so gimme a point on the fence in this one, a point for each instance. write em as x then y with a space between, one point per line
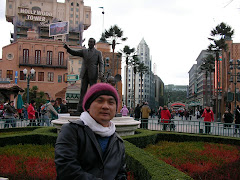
196 127
11 123
186 126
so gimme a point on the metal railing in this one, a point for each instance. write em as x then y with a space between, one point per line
196 127
12 123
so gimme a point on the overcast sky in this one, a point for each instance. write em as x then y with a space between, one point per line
175 30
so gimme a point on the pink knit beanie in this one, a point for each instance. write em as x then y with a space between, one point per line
97 90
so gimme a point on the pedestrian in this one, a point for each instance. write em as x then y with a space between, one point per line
124 111
92 67
63 106
237 120
46 110
31 113
208 118
165 117
159 113
145 110
131 112
137 112
89 148
197 113
57 109
10 114
228 118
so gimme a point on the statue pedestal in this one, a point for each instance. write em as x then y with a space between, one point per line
124 125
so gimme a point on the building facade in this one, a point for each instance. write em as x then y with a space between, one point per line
47 57
148 80
38 14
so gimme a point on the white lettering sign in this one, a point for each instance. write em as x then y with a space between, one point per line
35 18
35 12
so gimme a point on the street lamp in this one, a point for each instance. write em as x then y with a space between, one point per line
234 76
28 76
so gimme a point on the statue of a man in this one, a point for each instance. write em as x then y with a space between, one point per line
92 67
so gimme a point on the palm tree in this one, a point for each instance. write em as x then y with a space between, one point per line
113 35
129 52
219 34
135 62
142 69
208 67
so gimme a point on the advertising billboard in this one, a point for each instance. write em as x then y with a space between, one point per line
59 28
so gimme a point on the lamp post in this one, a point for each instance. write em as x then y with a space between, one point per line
234 76
28 76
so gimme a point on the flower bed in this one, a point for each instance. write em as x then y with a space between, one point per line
30 162
200 160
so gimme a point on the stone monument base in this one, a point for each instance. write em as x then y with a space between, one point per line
124 125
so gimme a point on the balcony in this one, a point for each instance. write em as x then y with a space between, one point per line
44 62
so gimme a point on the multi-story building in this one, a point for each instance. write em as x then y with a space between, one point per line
148 86
159 92
198 87
47 57
172 87
38 14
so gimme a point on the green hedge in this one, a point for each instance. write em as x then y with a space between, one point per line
143 164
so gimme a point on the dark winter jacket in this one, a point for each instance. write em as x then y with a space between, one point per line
237 113
78 155
137 112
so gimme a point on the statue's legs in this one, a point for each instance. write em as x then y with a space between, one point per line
84 85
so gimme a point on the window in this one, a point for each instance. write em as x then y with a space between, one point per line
50 76
71 3
76 22
10 6
86 15
76 16
33 78
10 74
22 76
40 76
60 58
59 78
49 57
77 4
25 55
71 9
77 10
79 69
71 21
0 73
71 15
79 62
37 56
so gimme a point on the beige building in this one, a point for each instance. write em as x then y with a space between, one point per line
38 14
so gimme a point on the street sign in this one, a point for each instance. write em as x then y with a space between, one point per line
72 77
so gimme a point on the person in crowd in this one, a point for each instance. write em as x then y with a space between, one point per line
237 119
124 111
89 148
57 109
228 118
46 110
186 114
159 113
31 113
131 112
1 109
208 118
145 110
197 113
137 112
165 117
63 106
10 114
25 114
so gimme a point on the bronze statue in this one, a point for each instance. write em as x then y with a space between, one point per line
92 67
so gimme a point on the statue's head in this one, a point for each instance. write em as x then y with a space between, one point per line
91 43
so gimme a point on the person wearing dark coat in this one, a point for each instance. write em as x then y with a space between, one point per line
137 112
63 106
90 148
228 118
237 120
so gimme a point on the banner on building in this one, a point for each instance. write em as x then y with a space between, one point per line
59 28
